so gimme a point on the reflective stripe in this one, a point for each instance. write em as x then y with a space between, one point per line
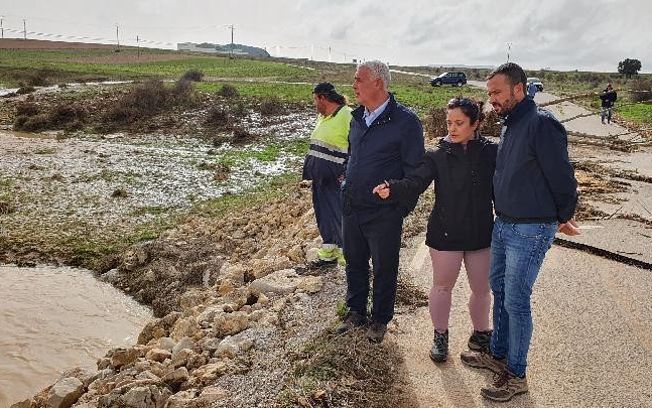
328 146
325 156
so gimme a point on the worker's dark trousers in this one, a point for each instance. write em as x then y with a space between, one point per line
327 203
380 241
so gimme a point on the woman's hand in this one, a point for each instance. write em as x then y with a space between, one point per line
382 190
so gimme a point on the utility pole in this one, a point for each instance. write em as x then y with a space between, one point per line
117 36
1 27
330 54
24 30
509 48
137 47
231 27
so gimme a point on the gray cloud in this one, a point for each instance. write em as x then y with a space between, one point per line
561 34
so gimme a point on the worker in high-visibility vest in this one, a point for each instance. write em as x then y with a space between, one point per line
324 166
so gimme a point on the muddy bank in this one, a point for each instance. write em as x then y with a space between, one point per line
241 321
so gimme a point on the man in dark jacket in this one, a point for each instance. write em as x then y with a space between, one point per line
535 195
385 142
608 99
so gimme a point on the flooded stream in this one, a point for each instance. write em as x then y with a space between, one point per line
53 319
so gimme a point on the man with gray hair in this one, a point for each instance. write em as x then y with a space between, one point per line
385 142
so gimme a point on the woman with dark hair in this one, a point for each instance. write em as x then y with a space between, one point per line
461 221
324 166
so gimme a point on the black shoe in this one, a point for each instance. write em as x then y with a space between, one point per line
480 340
351 320
376 332
322 263
439 350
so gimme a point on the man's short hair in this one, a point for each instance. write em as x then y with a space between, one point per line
513 72
378 70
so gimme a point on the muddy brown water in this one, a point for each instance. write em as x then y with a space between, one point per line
53 319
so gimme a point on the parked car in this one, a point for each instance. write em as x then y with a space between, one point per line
536 82
449 78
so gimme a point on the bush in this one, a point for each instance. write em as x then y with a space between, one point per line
641 90
27 109
193 75
435 123
32 123
218 117
142 101
228 91
66 114
183 92
272 105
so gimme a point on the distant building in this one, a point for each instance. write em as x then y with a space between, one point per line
238 49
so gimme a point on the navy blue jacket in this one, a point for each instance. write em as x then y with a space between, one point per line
388 149
534 180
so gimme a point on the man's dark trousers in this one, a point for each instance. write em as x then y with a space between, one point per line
378 239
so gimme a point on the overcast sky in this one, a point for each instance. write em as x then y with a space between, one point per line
559 34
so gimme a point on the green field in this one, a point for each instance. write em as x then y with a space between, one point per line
71 65
639 113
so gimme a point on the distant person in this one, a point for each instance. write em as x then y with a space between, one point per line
324 166
460 223
608 100
385 142
535 195
531 90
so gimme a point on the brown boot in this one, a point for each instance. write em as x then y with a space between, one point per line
480 359
351 320
504 387
376 332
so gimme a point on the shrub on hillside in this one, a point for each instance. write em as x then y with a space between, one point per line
272 105
228 91
641 90
148 99
193 75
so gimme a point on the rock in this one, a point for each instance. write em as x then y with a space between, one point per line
225 287
295 254
281 282
213 394
176 377
181 399
147 375
231 346
123 357
230 323
210 344
84 375
145 397
184 343
157 354
208 373
133 258
64 393
171 318
185 327
103 363
22 404
111 276
311 284
263 299
208 315
142 365
181 357
165 343
154 329
312 254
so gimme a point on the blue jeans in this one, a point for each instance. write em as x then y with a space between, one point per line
517 252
